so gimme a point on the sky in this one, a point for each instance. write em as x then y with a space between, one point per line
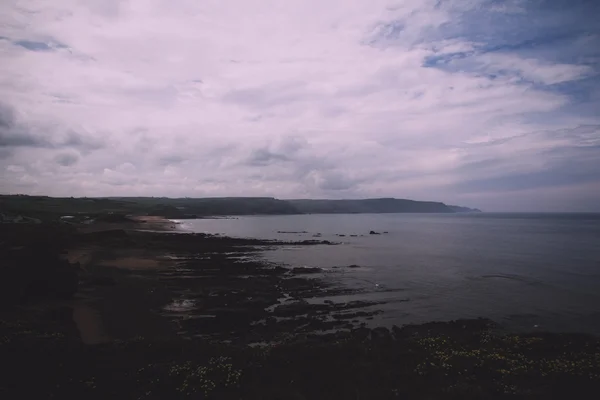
483 103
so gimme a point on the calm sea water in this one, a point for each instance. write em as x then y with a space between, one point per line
524 271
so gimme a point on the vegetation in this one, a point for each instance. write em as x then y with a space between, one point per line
456 360
51 208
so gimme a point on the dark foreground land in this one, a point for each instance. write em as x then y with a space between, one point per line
108 311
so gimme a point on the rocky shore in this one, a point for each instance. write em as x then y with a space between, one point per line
121 310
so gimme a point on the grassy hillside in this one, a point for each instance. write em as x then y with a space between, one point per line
52 208
369 206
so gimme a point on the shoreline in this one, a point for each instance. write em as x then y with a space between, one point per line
149 303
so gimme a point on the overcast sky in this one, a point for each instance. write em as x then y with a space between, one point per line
484 103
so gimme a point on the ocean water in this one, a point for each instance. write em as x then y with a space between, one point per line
526 272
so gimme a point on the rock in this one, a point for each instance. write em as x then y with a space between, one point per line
102 281
113 218
298 307
381 334
397 331
374 233
306 270
353 266
361 333
340 235
312 242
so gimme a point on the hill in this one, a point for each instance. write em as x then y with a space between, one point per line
386 205
53 208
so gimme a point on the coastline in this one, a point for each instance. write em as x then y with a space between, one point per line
142 222
144 293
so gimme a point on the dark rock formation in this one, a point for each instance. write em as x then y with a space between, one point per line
306 270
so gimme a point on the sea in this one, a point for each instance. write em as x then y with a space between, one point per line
525 271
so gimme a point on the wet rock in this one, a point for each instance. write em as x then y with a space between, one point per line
381 334
359 314
397 331
306 270
374 233
462 331
347 266
361 333
101 281
312 242
301 307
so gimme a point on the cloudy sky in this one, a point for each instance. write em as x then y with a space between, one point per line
486 103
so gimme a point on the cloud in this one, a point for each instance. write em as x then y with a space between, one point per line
449 101
262 157
12 135
173 159
15 134
38 46
66 159
332 180
553 158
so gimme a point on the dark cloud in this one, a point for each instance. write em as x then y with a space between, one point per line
21 139
7 117
14 134
563 175
336 183
575 161
263 157
171 160
66 159
5 153
479 165
77 140
281 149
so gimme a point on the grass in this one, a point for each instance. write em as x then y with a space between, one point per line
430 364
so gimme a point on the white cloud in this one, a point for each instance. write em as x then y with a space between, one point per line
532 69
290 99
